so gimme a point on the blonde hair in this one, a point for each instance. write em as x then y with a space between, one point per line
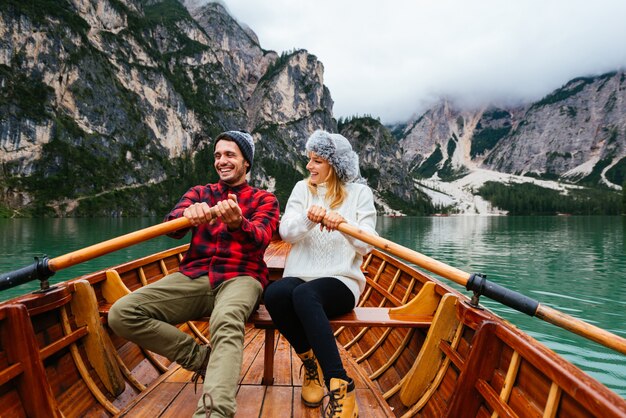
336 190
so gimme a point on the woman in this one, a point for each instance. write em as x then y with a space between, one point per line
322 276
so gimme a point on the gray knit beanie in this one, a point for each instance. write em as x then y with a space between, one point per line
243 140
336 149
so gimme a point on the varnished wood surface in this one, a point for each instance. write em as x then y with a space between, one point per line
360 317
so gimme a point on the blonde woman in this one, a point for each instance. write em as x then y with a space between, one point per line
322 276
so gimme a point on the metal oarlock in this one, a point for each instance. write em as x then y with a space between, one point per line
477 288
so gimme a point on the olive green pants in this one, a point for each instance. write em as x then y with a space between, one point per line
148 317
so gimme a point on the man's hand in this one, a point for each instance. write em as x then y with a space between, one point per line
229 212
200 213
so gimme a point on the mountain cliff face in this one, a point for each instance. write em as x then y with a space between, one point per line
109 107
575 134
379 154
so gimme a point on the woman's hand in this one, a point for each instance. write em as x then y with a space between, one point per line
327 219
316 214
332 220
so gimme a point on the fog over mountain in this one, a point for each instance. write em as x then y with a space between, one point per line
396 59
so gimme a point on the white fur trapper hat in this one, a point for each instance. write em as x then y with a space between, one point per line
336 149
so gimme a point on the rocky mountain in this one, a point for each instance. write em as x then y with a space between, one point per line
109 107
577 133
575 136
379 157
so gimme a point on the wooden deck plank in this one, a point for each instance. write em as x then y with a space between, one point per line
296 363
249 400
276 402
283 362
252 366
180 375
157 401
299 409
145 372
184 404
369 406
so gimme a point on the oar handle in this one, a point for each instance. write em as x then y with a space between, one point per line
498 293
479 284
117 243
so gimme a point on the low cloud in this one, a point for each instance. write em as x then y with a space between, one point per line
393 59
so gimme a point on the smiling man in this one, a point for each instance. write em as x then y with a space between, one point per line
222 276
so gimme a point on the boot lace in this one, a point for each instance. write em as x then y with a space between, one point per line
334 407
196 378
310 370
207 410
201 372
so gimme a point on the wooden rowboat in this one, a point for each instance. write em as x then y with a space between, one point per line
415 347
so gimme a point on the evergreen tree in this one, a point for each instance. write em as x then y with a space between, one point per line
530 199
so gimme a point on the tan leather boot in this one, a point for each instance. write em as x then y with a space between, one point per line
342 403
312 384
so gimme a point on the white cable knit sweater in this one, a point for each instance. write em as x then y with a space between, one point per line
316 253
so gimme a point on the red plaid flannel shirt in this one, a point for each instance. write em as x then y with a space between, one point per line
224 254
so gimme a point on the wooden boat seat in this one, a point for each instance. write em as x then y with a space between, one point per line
112 289
418 313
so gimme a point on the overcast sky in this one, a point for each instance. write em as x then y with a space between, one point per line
391 59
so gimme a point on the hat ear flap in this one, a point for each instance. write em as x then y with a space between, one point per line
354 171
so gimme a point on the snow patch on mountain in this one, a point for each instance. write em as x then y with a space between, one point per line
462 195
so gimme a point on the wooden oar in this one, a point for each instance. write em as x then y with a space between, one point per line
479 284
117 243
44 268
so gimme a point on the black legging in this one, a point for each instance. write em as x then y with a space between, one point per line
301 310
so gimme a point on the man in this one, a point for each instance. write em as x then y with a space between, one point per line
222 276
